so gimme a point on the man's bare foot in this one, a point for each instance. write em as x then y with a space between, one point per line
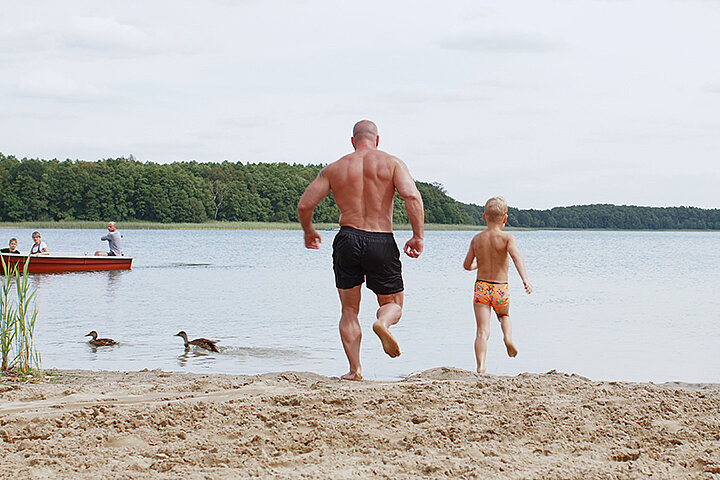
481 369
352 376
512 351
389 343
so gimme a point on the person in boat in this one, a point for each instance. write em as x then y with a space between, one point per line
363 184
39 247
114 242
12 248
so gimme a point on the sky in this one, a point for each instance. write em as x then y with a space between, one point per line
547 103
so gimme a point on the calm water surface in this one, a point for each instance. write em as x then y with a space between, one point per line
638 306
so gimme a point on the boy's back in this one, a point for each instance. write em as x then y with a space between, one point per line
491 254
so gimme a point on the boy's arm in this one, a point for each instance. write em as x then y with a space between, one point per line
470 262
519 262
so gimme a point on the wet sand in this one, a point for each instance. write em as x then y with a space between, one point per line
442 423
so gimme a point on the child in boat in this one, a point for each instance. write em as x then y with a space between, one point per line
39 247
488 254
12 247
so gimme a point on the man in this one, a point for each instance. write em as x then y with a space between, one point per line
363 184
114 243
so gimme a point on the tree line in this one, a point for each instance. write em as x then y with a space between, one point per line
124 189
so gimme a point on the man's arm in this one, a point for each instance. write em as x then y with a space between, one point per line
408 191
314 194
519 262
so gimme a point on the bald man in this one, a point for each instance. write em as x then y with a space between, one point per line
363 184
114 242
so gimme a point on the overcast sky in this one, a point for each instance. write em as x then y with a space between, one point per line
547 103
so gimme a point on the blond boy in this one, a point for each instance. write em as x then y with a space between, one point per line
488 254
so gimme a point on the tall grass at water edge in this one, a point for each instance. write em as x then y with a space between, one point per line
17 320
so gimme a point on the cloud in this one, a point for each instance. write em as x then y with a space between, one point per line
422 94
102 35
713 87
502 43
48 85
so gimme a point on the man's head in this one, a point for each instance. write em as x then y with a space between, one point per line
496 209
111 226
365 131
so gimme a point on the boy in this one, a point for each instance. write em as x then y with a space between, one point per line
488 254
13 247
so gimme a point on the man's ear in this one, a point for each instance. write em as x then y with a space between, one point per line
505 219
352 140
377 141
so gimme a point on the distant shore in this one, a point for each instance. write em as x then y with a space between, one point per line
142 225
442 423
139 225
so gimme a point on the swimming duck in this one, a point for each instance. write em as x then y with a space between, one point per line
198 342
100 342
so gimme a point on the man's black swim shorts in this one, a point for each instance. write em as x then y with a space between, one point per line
358 254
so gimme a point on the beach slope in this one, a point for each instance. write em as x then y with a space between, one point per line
441 423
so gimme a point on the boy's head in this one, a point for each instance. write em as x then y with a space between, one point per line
495 210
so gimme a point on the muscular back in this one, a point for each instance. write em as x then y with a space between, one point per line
363 185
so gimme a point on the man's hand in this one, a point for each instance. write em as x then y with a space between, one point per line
414 247
528 287
313 239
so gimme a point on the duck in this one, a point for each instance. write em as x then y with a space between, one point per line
100 342
198 342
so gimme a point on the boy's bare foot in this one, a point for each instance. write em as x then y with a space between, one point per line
512 351
352 376
389 343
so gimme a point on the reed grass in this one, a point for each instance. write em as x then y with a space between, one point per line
17 320
7 313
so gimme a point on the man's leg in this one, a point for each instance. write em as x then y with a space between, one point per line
388 315
482 318
350 331
506 326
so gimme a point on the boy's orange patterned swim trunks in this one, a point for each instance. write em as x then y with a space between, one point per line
497 295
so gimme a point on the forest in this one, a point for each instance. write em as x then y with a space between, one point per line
124 189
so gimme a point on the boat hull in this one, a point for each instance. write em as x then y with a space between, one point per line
58 263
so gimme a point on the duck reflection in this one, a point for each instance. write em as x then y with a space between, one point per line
194 356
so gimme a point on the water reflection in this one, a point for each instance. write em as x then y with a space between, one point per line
114 278
104 348
193 356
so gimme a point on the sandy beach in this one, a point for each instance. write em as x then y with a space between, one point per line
441 423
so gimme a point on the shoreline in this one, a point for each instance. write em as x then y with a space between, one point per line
440 423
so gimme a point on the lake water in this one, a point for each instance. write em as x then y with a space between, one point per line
636 306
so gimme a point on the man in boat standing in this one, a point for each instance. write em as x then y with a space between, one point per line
363 184
114 242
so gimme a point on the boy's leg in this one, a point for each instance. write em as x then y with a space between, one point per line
388 315
506 326
350 331
482 318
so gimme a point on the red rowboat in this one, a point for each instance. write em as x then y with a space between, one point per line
67 263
